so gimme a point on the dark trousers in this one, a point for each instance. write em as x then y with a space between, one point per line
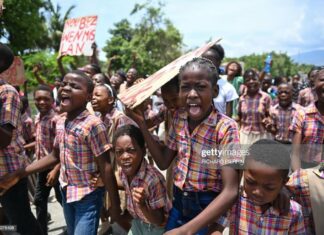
41 198
186 206
16 206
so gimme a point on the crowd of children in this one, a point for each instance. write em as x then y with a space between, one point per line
240 152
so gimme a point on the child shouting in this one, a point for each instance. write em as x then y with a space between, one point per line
145 188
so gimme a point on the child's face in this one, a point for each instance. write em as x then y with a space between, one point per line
196 93
101 100
319 85
88 70
116 81
74 93
98 79
129 155
311 77
262 183
171 99
252 83
131 76
43 101
284 95
266 83
232 69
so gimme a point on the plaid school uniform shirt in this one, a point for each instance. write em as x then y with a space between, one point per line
45 133
197 168
13 156
28 127
153 182
310 124
252 110
282 119
298 185
247 218
80 141
116 119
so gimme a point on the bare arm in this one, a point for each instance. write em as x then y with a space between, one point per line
9 180
223 202
295 154
36 70
109 180
161 154
30 145
94 59
60 65
229 108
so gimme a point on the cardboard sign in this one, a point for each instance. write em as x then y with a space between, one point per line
78 36
137 93
15 74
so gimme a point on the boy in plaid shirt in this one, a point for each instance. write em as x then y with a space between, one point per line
15 201
81 145
308 129
45 123
265 173
280 115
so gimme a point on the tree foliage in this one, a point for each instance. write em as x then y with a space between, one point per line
56 23
282 64
24 26
48 63
149 45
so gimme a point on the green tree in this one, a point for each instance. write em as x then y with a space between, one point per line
23 25
282 64
56 23
48 63
149 45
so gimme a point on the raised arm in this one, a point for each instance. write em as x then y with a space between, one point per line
161 154
35 71
60 65
94 58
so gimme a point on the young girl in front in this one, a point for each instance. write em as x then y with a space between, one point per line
147 200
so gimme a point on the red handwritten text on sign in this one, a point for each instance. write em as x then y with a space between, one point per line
78 36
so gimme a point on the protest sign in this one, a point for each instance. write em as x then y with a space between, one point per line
78 36
137 93
15 74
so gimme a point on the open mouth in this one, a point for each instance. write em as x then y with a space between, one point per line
65 99
126 166
194 109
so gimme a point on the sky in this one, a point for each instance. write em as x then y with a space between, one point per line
245 26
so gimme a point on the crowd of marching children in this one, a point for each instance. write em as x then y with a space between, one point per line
156 169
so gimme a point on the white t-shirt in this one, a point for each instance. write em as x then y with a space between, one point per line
227 93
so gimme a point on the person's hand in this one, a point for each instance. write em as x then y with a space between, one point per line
93 46
267 122
282 202
60 57
114 57
139 196
96 181
52 178
8 180
36 68
136 115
